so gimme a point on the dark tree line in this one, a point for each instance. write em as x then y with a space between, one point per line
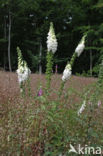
25 23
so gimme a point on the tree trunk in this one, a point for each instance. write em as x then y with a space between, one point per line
40 55
5 35
9 41
91 62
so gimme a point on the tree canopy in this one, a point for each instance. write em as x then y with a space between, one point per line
30 22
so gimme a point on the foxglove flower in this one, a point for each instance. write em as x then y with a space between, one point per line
23 71
67 73
23 76
79 49
51 40
82 107
40 92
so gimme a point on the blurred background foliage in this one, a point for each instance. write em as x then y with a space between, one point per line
30 24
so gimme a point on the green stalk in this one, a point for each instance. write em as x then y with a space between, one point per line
23 89
29 88
49 66
73 59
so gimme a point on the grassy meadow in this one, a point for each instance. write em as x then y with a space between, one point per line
46 125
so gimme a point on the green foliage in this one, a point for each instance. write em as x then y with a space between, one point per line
34 61
96 70
30 26
99 4
100 81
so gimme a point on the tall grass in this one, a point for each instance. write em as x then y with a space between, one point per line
46 125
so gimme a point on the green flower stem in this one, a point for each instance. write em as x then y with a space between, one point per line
29 88
73 59
49 68
61 88
23 89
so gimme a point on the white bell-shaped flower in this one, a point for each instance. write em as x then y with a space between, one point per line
79 49
82 107
23 71
24 75
51 40
67 73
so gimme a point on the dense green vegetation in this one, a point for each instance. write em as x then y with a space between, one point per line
26 22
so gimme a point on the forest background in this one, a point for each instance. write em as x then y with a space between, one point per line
25 23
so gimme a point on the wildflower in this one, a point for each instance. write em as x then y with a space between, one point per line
82 107
51 40
79 49
51 49
23 71
23 74
99 103
40 92
67 73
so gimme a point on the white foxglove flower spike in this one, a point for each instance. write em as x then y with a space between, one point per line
23 71
67 73
79 49
82 107
51 40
